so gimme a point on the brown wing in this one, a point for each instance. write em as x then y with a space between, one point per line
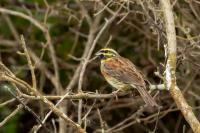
123 70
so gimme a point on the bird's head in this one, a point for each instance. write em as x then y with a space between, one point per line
106 53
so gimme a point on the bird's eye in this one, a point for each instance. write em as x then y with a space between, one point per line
105 51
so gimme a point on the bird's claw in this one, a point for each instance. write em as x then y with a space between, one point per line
115 94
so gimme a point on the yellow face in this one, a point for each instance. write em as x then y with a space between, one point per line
106 53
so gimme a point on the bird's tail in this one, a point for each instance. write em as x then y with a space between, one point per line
146 96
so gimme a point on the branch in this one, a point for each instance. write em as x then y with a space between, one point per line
78 96
8 76
30 64
19 107
22 15
45 30
171 69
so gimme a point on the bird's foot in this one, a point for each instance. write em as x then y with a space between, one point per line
115 94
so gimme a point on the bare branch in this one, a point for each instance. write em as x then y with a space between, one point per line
29 63
32 20
171 68
4 76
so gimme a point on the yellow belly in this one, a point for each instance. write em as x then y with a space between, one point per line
117 84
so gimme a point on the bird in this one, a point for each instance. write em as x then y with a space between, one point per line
122 74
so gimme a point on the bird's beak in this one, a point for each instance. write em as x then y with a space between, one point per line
97 53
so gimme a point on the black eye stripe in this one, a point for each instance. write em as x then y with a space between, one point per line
104 51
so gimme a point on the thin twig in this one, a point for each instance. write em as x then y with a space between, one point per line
19 107
32 20
34 82
28 109
7 102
